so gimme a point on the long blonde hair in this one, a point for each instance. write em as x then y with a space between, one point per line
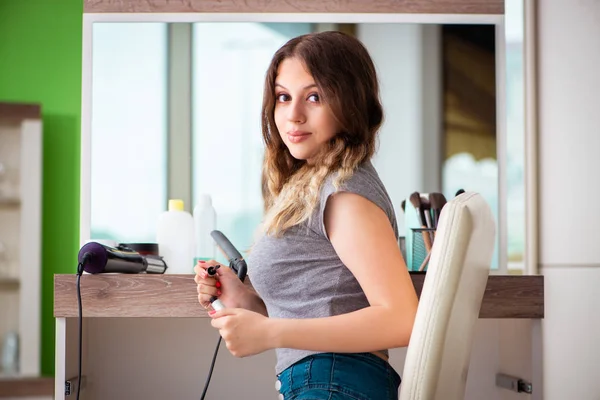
345 76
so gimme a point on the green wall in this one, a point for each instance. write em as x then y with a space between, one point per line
40 61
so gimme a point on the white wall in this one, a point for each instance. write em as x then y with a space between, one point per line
569 142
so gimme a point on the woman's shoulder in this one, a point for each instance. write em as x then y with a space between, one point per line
363 178
364 181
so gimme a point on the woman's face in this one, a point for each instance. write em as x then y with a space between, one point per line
304 123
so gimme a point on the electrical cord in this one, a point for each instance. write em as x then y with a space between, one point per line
80 267
80 327
211 271
212 366
238 265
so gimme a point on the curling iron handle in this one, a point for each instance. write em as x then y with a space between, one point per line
217 305
214 301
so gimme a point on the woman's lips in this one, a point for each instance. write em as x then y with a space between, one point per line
297 136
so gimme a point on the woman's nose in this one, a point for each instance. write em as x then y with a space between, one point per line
296 112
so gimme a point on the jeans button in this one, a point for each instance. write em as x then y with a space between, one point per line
277 385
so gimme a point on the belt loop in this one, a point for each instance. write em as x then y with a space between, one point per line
308 370
331 374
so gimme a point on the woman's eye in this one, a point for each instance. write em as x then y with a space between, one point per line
313 98
281 97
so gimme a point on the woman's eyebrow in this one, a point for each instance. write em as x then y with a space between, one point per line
312 85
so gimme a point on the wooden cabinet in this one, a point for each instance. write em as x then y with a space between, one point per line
20 233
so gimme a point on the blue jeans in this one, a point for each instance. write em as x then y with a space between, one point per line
334 376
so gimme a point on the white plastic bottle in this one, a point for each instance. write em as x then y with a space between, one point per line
175 238
205 221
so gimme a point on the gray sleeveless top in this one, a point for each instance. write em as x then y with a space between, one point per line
299 274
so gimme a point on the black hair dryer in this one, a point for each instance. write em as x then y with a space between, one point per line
96 258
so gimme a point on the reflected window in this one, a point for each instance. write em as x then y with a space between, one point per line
515 134
469 114
229 65
128 130
470 133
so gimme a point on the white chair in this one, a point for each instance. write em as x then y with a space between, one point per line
437 359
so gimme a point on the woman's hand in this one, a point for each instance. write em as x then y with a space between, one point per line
245 332
225 285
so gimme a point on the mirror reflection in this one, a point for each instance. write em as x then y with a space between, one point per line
176 113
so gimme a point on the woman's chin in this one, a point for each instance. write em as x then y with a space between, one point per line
299 155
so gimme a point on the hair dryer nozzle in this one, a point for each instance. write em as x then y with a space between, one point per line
96 257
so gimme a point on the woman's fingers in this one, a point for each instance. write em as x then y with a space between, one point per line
208 290
207 286
204 265
204 300
205 280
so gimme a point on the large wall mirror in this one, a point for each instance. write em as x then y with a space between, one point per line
172 105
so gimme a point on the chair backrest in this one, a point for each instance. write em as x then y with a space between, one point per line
437 359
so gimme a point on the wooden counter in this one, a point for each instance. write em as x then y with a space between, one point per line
121 295
146 337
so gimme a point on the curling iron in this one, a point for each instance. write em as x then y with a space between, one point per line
236 263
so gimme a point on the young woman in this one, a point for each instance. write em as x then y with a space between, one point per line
329 288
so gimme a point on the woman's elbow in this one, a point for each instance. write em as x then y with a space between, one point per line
405 324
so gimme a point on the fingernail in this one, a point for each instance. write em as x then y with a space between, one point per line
211 312
218 292
218 284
